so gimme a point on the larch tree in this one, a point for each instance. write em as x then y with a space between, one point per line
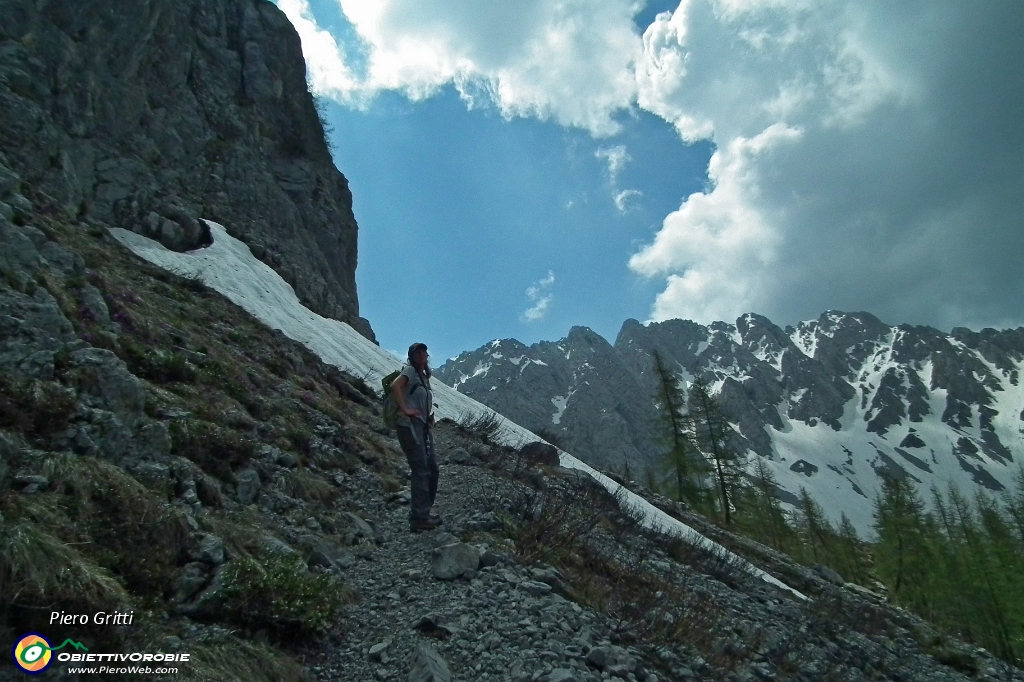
682 460
710 430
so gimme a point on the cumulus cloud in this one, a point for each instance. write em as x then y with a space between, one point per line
328 73
569 61
716 250
539 294
862 160
867 153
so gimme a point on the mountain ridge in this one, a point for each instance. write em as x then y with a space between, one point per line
842 399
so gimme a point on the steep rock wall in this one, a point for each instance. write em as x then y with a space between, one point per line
150 114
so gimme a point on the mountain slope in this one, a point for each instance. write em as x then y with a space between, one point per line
832 404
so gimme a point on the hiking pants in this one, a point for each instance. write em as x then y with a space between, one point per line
419 451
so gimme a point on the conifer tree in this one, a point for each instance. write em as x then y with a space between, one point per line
985 572
710 428
767 518
1014 501
977 583
902 552
682 460
853 557
816 527
954 602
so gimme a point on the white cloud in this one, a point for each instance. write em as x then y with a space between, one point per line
851 161
569 61
325 62
616 157
624 199
716 248
540 296
860 144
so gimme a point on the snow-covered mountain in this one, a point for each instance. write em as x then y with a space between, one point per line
832 404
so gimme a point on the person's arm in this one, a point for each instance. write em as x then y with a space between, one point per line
396 392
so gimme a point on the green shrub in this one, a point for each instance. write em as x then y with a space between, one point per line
279 594
36 408
486 426
155 364
218 451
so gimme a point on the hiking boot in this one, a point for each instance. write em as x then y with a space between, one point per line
434 516
420 525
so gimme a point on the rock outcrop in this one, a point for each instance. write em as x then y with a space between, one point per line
152 115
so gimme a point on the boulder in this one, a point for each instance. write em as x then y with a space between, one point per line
456 561
540 453
190 580
211 550
104 382
428 666
247 486
330 556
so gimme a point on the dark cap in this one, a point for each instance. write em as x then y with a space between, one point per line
415 347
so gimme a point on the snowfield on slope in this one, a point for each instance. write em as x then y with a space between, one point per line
228 267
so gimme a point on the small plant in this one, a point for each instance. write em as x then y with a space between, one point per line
484 425
217 451
36 566
154 364
281 595
301 438
36 408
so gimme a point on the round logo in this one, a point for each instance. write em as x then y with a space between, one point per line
32 653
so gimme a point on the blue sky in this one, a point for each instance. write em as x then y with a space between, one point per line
519 169
461 213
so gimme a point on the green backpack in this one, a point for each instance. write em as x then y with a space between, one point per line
390 406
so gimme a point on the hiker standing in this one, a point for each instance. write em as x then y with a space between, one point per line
411 392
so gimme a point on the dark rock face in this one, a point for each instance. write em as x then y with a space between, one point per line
881 400
153 114
579 388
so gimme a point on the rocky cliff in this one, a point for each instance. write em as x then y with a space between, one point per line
832 404
152 114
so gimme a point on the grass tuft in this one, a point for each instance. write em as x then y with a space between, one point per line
34 407
218 451
310 487
36 566
241 661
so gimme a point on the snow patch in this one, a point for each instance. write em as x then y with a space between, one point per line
559 401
